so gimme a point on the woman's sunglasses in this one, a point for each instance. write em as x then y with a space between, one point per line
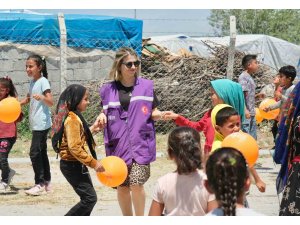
129 64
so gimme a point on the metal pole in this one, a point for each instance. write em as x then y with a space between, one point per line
63 51
231 48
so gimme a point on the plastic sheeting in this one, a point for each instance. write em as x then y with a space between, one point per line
84 31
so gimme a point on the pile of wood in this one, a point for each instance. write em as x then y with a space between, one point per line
182 83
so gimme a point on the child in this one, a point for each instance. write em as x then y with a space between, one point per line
70 133
40 99
250 65
182 193
226 121
228 179
8 135
287 75
222 91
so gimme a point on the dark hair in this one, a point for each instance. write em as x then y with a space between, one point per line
184 147
224 114
7 83
40 61
247 59
227 173
288 71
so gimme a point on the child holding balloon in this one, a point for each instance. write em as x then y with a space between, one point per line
182 192
226 121
228 179
40 99
8 135
70 132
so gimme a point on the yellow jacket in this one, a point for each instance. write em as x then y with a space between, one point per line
73 142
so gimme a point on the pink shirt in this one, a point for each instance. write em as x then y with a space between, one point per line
8 130
183 195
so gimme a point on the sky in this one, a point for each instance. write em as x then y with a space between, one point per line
191 22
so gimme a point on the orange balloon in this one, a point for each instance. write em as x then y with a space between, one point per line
271 114
245 143
10 109
258 116
115 171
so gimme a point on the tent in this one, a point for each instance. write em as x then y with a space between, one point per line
83 31
271 51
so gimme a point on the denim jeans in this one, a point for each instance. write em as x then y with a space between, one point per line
6 145
249 126
79 178
39 157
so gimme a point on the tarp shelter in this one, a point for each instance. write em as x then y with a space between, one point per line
175 43
271 51
83 31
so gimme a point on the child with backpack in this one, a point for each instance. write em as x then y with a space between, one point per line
182 192
70 132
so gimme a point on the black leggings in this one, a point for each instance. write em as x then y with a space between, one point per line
79 178
6 145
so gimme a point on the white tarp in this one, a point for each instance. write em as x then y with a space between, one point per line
271 51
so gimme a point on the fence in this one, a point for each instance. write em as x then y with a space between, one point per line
181 77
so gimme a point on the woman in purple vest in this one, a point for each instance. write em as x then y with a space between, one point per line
129 110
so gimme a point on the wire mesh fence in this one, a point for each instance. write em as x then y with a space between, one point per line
181 78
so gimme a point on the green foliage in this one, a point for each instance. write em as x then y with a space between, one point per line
23 127
283 23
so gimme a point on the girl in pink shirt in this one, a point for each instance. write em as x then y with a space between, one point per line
182 192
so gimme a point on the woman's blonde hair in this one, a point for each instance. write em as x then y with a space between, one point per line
115 72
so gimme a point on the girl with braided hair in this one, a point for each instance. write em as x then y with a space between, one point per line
228 178
182 192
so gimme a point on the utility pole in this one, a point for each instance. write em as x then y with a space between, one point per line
231 48
134 13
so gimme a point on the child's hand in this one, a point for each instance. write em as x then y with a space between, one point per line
261 186
101 121
247 114
170 115
277 94
99 167
267 109
38 97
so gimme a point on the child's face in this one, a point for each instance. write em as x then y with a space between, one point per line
253 66
84 102
232 125
215 98
284 81
3 92
32 69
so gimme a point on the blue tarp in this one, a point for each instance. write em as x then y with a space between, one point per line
84 31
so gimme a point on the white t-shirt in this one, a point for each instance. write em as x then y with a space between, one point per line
39 113
238 212
183 195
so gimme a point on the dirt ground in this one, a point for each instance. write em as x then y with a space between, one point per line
17 203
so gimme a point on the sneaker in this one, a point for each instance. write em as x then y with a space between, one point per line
35 190
48 186
4 187
10 175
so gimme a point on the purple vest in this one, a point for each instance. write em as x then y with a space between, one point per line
130 135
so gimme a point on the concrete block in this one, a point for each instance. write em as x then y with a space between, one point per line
83 74
6 65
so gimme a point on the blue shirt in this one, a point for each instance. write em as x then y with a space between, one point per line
248 85
39 112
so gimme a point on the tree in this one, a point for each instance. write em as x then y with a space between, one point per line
283 23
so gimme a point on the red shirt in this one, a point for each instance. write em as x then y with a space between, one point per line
204 125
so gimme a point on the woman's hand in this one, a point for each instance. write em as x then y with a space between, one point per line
170 115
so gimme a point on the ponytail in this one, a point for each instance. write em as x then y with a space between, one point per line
40 61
